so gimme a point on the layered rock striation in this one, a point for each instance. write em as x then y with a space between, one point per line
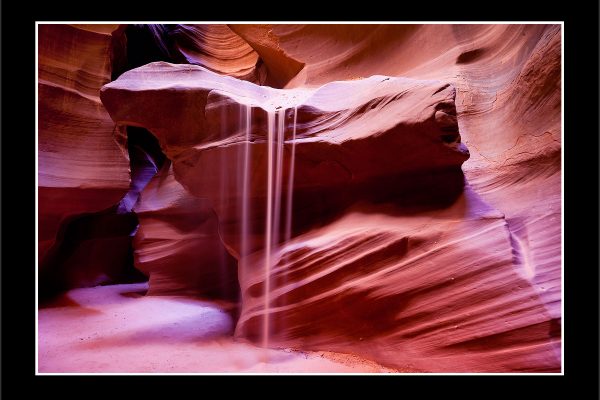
346 207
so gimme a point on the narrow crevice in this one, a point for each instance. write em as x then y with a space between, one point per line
90 249
97 248
146 43
140 44
145 158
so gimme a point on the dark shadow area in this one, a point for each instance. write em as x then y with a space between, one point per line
470 56
90 250
410 193
96 248
134 294
146 43
141 44
145 159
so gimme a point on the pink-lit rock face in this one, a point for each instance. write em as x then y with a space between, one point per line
219 49
397 243
436 291
177 243
508 106
282 68
375 139
373 263
82 169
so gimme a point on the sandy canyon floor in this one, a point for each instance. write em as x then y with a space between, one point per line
116 329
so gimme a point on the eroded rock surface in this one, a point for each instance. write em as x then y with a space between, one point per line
377 139
82 168
392 252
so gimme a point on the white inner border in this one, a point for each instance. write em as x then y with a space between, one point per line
562 183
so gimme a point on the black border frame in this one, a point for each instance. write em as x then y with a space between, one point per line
580 163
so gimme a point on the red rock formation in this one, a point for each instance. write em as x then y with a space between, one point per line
376 139
438 291
470 283
82 169
508 105
216 47
84 172
281 67
177 243
219 49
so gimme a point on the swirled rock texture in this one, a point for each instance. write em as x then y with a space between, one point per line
219 49
403 246
82 168
177 243
375 139
216 47
508 102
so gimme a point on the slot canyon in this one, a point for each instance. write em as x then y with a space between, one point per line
299 198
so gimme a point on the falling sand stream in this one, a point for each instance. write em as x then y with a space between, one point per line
274 218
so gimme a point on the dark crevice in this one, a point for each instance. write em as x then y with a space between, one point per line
145 159
97 248
146 43
141 44
90 249
470 56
